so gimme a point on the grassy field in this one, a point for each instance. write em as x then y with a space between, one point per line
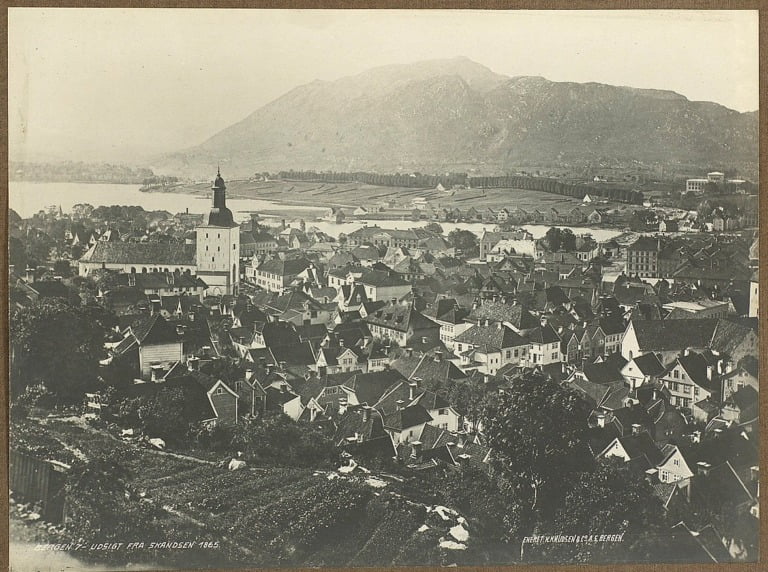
352 195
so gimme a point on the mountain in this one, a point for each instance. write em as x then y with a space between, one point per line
456 115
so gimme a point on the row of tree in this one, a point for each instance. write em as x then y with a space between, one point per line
410 180
547 185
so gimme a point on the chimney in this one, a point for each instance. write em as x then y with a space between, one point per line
262 361
408 351
366 413
393 301
399 403
702 468
438 356
270 368
687 352
156 372
584 362
30 275
412 390
416 448
282 366
600 415
543 321
636 428
248 373
499 325
193 363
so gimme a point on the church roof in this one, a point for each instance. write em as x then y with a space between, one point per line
154 253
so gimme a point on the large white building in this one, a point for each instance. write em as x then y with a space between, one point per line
215 257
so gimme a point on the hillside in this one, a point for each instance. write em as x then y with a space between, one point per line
458 115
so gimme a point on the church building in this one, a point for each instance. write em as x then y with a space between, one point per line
214 258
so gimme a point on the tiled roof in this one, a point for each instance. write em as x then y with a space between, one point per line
401 318
516 315
661 335
369 387
490 338
407 417
382 279
153 253
649 364
288 267
543 335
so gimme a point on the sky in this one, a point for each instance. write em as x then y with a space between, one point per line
123 85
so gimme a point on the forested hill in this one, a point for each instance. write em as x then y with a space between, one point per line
454 115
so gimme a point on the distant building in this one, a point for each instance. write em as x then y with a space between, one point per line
695 185
643 257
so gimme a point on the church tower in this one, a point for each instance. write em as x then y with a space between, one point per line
218 245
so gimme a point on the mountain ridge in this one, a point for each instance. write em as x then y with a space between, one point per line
456 114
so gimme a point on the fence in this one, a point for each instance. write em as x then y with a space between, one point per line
36 481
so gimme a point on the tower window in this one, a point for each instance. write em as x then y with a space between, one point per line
213 258
206 235
218 249
218 235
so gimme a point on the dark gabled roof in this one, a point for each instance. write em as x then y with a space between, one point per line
543 335
407 417
155 330
158 280
645 243
380 279
426 368
603 372
153 253
744 398
516 315
728 335
670 335
354 422
49 288
369 387
641 445
491 338
401 318
288 267
649 364
293 300
633 415
294 354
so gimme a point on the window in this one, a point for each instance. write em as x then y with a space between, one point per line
442 412
554 355
676 374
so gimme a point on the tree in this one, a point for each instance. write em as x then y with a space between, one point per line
167 413
58 345
62 268
610 500
17 254
277 440
536 431
560 239
434 227
463 240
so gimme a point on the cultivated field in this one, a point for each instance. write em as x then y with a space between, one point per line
352 195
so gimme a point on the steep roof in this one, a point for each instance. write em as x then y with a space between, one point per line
490 338
369 387
381 279
288 267
649 364
154 253
516 315
661 335
400 317
407 417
